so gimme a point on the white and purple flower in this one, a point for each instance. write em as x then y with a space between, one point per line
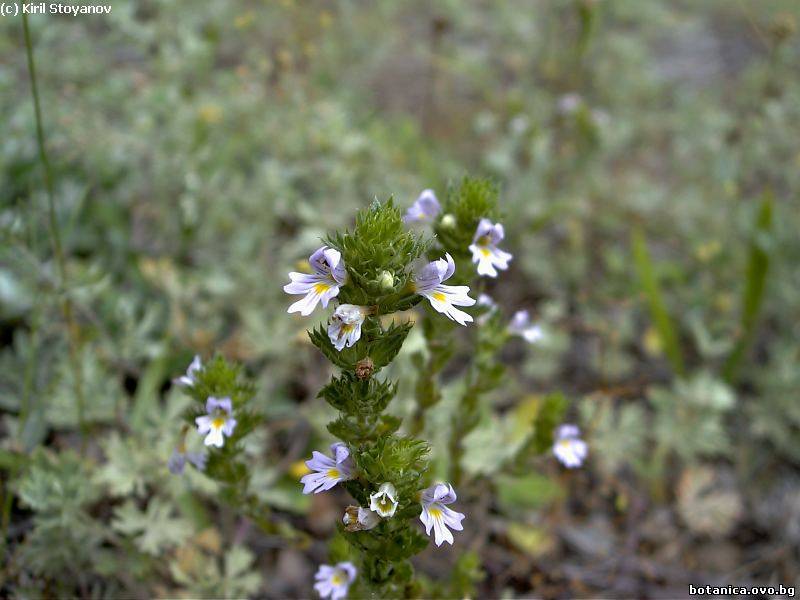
217 422
443 298
384 501
344 327
424 210
485 251
333 582
435 514
320 286
568 448
521 325
327 471
189 379
179 456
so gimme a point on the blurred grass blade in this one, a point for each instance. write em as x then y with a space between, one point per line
648 282
754 285
587 14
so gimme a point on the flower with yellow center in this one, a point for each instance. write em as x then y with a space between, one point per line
443 298
485 251
333 582
320 286
344 328
568 448
435 515
218 422
424 209
327 471
384 501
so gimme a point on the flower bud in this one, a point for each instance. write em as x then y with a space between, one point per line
386 281
357 518
448 221
365 368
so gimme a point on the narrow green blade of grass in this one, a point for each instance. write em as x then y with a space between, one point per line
648 282
754 285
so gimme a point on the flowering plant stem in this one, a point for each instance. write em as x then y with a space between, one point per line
73 331
372 271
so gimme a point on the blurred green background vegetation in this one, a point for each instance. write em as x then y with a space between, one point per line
648 158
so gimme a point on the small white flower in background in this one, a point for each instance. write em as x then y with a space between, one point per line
487 301
384 501
358 518
344 328
333 582
600 117
437 516
189 380
321 285
569 103
327 471
521 325
568 447
443 298
179 456
485 251
424 209
217 422
519 124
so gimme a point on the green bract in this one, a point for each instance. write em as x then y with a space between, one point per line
378 254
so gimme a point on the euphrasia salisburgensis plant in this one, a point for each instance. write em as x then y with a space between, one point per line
363 277
369 274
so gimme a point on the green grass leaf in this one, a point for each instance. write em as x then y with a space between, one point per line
648 282
754 286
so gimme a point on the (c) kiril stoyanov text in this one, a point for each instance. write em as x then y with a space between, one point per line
57 8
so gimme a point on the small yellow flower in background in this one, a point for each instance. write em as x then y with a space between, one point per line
210 113
652 342
325 19
245 20
723 302
299 468
284 58
707 251
209 539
